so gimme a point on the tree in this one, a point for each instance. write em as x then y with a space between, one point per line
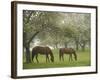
26 40
37 23
78 28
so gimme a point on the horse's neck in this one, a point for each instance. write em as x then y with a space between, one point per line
51 55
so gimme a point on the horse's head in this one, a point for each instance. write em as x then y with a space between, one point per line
49 51
75 56
52 59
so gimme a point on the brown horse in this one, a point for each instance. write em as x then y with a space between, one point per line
68 51
43 51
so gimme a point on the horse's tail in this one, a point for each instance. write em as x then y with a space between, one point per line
75 55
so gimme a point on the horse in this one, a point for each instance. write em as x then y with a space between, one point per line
69 51
43 51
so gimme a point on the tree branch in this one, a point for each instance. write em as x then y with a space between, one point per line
33 37
29 17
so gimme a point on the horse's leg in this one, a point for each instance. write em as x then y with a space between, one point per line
32 58
75 56
37 58
70 57
47 58
62 57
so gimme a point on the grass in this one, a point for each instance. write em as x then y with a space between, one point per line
83 60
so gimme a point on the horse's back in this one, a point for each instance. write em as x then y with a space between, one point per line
66 50
41 50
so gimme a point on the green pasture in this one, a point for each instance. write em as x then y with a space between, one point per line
83 60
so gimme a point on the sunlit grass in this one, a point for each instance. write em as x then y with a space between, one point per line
83 60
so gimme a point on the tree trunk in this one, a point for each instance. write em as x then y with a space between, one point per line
28 59
83 48
77 45
89 43
56 45
27 44
66 45
27 47
82 45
